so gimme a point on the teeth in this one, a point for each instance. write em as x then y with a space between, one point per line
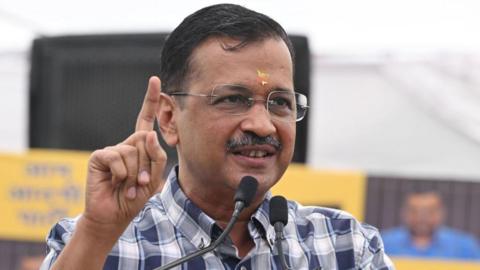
261 153
257 154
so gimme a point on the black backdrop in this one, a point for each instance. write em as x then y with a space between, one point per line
85 91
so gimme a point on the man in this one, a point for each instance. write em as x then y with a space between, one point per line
423 234
228 106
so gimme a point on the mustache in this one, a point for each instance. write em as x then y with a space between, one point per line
249 138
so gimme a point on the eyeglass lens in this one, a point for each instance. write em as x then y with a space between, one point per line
284 105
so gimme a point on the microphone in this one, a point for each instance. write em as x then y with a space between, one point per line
243 197
278 219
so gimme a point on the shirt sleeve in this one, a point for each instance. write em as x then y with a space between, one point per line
470 249
59 235
372 255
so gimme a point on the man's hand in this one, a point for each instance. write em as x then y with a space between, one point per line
120 180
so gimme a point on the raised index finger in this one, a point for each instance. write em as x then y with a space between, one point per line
146 117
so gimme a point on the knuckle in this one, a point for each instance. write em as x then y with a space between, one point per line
141 133
132 151
121 174
138 135
161 157
148 117
113 156
96 157
128 150
131 177
109 148
162 154
97 153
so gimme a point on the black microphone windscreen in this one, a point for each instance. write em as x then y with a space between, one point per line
246 190
278 210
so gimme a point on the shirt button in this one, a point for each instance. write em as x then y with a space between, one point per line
243 268
202 243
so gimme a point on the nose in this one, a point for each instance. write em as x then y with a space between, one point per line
258 120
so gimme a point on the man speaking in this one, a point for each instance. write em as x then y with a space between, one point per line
227 102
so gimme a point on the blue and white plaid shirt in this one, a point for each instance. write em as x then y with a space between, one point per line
171 226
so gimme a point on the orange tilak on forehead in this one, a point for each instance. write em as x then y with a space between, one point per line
262 77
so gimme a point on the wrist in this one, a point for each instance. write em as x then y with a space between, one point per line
102 235
89 246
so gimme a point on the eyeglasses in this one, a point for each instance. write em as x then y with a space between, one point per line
236 100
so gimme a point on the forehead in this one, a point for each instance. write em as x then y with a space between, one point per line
424 200
212 63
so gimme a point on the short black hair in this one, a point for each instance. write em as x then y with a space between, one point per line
223 20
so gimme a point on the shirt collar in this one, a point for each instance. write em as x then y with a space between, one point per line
197 226
260 222
190 220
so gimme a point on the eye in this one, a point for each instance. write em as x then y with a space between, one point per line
234 99
281 102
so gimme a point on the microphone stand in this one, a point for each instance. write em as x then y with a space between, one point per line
278 243
278 219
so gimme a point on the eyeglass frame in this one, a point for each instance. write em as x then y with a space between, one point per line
251 100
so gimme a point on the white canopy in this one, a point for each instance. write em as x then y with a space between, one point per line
395 84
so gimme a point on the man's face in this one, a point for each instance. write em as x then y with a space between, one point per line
204 132
423 213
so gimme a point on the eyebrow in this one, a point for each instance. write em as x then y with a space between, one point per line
239 88
282 89
243 88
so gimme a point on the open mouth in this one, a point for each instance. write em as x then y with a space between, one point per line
253 153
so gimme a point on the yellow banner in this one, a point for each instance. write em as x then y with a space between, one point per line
37 189
423 264
344 190
42 186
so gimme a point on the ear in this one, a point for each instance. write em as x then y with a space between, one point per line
166 120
